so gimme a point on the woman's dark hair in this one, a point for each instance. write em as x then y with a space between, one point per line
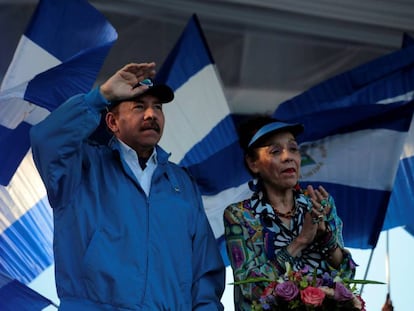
247 130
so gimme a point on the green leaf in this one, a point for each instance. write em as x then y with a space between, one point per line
349 281
251 280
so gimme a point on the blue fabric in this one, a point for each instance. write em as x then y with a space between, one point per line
213 157
26 246
54 21
178 68
400 210
17 296
115 248
79 37
376 97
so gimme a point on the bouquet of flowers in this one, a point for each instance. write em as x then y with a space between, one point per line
302 290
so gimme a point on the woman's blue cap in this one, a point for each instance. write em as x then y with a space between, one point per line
294 128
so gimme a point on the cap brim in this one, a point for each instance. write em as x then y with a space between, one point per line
294 128
161 91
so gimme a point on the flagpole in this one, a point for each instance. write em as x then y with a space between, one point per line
387 263
366 270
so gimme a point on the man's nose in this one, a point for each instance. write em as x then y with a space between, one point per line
149 113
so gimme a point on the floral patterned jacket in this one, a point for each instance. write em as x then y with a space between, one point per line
256 241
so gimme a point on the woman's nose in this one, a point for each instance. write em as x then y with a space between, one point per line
286 154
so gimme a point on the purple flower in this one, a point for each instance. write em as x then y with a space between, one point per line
306 269
266 303
327 280
286 290
342 293
319 282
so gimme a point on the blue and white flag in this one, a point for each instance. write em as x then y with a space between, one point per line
400 210
356 125
59 55
199 130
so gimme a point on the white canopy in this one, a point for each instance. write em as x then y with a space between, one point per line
266 50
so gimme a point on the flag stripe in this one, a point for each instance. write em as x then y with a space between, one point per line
10 160
193 100
24 191
366 80
215 204
178 68
22 67
64 66
332 157
199 130
16 296
360 120
69 40
400 211
222 170
26 245
66 27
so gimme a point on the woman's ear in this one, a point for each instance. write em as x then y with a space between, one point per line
251 163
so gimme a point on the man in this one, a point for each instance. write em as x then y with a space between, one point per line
130 228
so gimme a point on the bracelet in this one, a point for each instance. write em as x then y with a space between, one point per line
284 257
327 244
328 252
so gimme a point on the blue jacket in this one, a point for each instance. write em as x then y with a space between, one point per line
114 247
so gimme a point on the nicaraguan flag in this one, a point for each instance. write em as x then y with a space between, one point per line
59 55
199 130
356 125
400 210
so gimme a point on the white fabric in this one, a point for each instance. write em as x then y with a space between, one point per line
13 109
340 159
201 98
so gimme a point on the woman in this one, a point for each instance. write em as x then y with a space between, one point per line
280 224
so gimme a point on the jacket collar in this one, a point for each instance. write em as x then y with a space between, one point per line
162 155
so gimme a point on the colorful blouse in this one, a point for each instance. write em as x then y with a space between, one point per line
256 241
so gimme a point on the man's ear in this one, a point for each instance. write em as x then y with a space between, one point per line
111 121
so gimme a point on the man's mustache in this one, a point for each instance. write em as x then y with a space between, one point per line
151 125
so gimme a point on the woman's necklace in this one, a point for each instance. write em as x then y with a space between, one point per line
289 214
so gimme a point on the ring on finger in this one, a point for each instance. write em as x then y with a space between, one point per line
321 209
315 220
320 218
324 202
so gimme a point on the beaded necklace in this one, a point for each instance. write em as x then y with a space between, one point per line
289 214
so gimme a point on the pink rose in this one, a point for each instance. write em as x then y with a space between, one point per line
287 290
342 293
312 296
